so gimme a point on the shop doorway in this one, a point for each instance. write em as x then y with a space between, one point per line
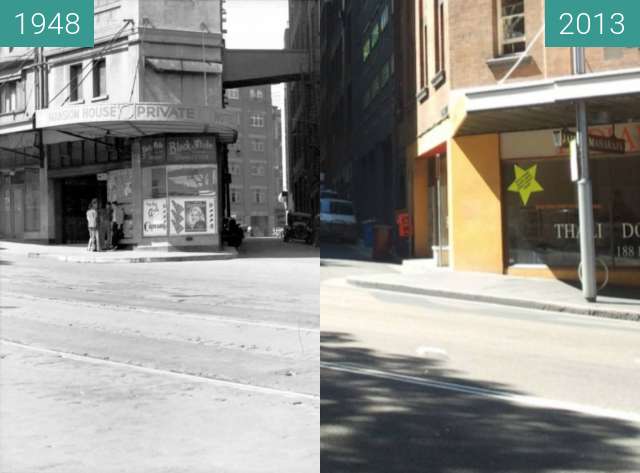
438 217
77 193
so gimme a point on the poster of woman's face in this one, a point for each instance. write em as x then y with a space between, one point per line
196 213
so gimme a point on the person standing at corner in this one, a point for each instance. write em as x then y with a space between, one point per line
117 221
92 224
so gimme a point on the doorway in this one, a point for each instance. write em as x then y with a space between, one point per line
438 217
77 194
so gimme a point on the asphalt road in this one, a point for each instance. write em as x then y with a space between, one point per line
416 384
161 367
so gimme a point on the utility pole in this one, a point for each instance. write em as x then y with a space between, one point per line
585 193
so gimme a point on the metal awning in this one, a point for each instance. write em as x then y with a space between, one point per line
612 97
182 65
131 120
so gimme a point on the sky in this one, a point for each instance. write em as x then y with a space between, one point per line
258 24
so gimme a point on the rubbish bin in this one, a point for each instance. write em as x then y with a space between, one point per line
367 233
382 242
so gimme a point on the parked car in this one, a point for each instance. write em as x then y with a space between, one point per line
337 220
299 227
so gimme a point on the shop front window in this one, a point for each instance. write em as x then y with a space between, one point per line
542 214
32 200
183 181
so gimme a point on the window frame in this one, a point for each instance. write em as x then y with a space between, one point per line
9 91
75 74
99 67
502 41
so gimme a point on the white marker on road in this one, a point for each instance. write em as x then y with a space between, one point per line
432 351
529 401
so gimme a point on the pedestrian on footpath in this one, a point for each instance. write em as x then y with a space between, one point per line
117 221
92 224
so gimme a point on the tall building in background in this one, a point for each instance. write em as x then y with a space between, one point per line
302 103
363 50
255 160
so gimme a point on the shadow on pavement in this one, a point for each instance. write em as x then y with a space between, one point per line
376 425
276 248
619 292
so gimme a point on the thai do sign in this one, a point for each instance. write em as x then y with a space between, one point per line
46 23
592 23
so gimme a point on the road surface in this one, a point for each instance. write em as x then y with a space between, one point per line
161 367
418 384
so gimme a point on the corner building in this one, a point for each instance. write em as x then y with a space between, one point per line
489 173
138 119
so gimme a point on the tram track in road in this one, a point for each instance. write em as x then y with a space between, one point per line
188 376
210 318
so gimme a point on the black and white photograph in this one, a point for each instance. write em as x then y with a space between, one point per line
152 317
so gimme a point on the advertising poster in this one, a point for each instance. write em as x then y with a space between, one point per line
192 215
119 185
154 217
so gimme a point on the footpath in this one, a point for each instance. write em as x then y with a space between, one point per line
530 293
79 254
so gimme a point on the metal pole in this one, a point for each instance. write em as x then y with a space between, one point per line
585 194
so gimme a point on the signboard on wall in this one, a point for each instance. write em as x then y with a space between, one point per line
190 149
541 143
193 215
152 151
154 220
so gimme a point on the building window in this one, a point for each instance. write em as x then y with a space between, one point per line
32 200
256 94
75 73
234 169
257 169
8 97
259 196
375 35
511 27
385 73
424 55
384 18
542 226
236 196
257 121
366 49
99 78
439 35
257 146
233 94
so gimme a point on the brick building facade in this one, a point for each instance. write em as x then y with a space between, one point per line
489 184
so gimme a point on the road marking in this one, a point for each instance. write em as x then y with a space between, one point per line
528 401
158 312
176 374
434 351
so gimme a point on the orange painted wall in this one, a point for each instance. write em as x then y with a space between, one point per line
420 207
475 211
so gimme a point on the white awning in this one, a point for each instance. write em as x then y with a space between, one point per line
612 97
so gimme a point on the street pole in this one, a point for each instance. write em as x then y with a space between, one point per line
585 194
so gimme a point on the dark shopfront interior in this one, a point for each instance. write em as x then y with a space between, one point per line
74 194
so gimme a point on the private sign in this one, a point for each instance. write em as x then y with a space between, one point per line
121 112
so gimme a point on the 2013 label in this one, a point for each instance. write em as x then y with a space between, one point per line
582 23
